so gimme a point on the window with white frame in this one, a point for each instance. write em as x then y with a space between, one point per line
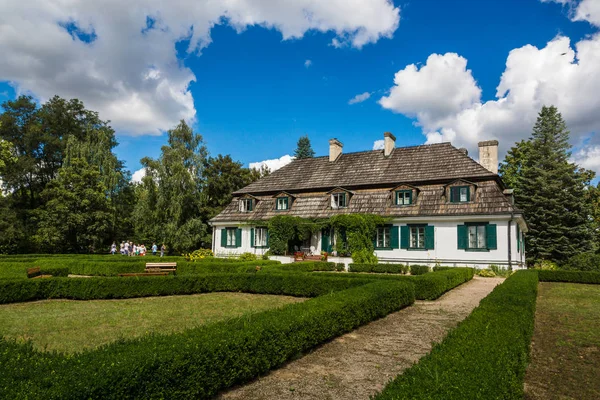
417 237
477 236
338 200
245 205
260 237
382 240
403 197
282 203
231 237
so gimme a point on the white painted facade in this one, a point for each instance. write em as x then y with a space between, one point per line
445 250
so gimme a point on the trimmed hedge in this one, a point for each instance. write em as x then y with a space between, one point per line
20 290
303 266
55 272
569 276
379 268
199 362
419 269
441 268
485 356
428 286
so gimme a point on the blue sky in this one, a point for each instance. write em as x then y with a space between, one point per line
254 94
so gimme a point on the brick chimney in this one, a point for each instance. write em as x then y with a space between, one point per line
335 149
389 143
488 155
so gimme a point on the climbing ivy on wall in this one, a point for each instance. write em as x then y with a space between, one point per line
358 230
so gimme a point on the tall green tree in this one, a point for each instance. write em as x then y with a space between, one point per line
76 215
551 191
170 209
304 149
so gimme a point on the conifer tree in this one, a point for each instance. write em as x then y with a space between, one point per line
304 149
552 192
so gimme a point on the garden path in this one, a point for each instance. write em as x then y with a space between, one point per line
359 364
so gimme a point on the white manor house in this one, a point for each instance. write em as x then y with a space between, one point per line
443 206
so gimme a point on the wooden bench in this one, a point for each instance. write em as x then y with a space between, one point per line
34 273
145 274
161 267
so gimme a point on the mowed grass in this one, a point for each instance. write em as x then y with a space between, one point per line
71 326
566 344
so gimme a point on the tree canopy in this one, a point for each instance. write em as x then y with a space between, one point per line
304 149
552 191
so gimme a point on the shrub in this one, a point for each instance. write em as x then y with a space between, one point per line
441 268
570 276
355 267
304 266
199 254
247 257
431 286
364 256
199 362
265 256
583 262
545 265
379 268
486 273
484 357
340 267
419 269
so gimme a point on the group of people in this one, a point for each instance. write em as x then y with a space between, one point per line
132 249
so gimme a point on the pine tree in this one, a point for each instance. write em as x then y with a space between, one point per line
552 193
304 149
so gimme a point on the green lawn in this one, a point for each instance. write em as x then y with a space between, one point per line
566 343
71 326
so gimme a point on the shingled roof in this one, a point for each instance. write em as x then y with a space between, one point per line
434 162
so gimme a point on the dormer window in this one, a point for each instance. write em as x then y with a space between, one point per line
460 194
246 205
338 200
282 203
403 197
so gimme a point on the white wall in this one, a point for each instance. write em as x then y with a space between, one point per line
445 250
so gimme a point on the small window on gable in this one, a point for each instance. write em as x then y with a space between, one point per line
460 194
403 197
339 200
282 203
246 205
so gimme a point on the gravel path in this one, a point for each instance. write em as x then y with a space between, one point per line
360 363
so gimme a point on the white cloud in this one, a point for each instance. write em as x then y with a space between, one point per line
359 98
584 10
440 88
307 63
558 74
138 175
274 164
130 71
378 144
588 157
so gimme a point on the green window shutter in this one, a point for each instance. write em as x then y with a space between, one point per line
238 237
252 237
251 203
518 239
490 233
404 237
287 203
223 237
461 232
325 240
468 193
410 197
429 237
394 239
454 194
267 238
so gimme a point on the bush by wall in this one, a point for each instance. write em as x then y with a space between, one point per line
198 362
485 357
441 268
419 269
570 276
303 266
